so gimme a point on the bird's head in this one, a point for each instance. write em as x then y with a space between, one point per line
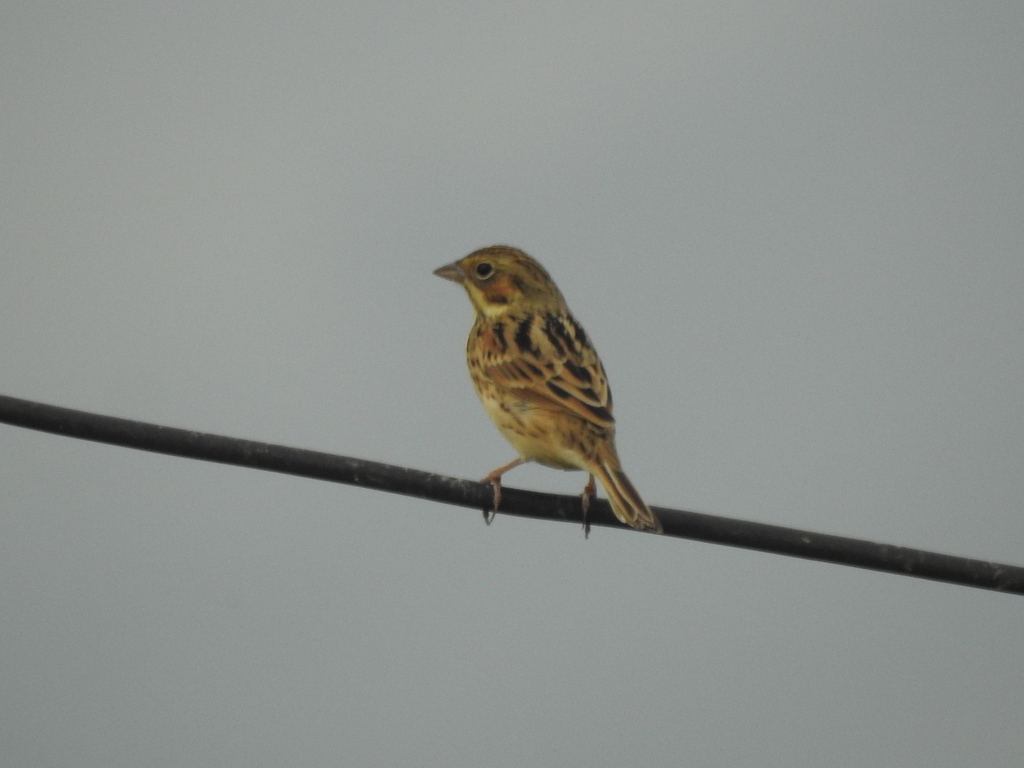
500 278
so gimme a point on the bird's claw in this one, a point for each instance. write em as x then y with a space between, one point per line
496 484
589 492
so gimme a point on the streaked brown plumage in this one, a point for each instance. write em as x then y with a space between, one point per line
539 378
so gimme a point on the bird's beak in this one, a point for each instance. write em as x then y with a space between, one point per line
451 272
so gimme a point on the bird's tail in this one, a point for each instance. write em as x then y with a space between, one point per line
626 502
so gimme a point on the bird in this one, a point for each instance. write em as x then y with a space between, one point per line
540 378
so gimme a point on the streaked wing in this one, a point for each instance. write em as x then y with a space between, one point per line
547 360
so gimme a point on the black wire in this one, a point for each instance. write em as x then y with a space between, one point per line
541 506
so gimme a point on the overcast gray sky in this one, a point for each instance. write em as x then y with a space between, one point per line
794 230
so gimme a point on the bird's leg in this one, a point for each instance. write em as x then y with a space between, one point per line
589 492
495 479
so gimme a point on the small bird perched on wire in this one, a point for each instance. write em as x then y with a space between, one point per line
540 379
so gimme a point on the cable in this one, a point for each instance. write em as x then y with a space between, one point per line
541 506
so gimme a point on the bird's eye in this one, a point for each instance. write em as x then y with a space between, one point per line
484 270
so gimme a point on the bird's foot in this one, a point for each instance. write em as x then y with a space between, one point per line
589 492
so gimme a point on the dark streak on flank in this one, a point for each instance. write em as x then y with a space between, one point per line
499 335
522 337
577 332
571 340
561 393
574 337
553 330
581 373
601 413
